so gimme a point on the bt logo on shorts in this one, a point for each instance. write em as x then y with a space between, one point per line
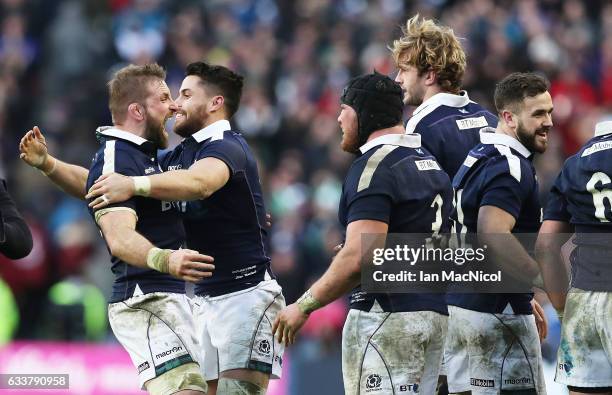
409 387
373 382
264 347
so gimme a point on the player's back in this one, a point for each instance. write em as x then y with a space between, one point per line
399 183
497 172
449 126
582 196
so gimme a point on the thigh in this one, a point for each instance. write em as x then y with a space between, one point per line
157 331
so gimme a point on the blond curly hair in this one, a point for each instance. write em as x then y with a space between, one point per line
427 45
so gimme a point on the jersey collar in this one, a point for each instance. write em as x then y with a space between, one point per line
213 131
444 99
603 128
111 131
410 140
488 136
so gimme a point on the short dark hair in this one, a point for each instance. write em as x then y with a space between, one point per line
222 81
514 88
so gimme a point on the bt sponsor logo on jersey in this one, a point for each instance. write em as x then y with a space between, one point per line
409 387
173 350
179 206
373 383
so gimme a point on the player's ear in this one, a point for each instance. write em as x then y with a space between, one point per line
430 77
136 111
216 103
509 118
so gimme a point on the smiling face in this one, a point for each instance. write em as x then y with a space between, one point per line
349 125
191 106
158 108
534 122
413 85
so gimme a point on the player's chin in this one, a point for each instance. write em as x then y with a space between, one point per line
540 143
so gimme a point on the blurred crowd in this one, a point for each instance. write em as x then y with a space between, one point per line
56 55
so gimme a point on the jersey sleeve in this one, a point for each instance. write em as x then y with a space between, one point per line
373 197
504 188
227 150
556 207
114 159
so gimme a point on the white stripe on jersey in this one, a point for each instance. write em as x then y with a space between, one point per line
514 163
109 157
370 167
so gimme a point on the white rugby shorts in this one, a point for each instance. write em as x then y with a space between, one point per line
392 353
486 353
157 330
235 330
584 358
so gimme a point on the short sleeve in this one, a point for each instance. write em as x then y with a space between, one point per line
503 189
227 150
373 197
114 159
556 207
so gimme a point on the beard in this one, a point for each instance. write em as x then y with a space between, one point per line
414 96
350 142
530 139
156 131
191 123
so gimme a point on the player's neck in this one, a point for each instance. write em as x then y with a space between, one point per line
503 128
131 127
212 118
432 91
398 129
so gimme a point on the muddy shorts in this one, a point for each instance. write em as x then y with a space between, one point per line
584 358
235 330
392 353
486 353
157 330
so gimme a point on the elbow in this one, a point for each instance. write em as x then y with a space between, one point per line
115 247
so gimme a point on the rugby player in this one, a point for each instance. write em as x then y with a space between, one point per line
148 312
431 63
492 345
214 170
580 202
391 343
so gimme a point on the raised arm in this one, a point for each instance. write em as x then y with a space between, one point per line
72 179
201 180
125 243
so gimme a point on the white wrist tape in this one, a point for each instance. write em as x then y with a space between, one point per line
142 186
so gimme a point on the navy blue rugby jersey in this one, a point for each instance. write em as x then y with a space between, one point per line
582 196
130 155
449 125
398 182
230 224
497 172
